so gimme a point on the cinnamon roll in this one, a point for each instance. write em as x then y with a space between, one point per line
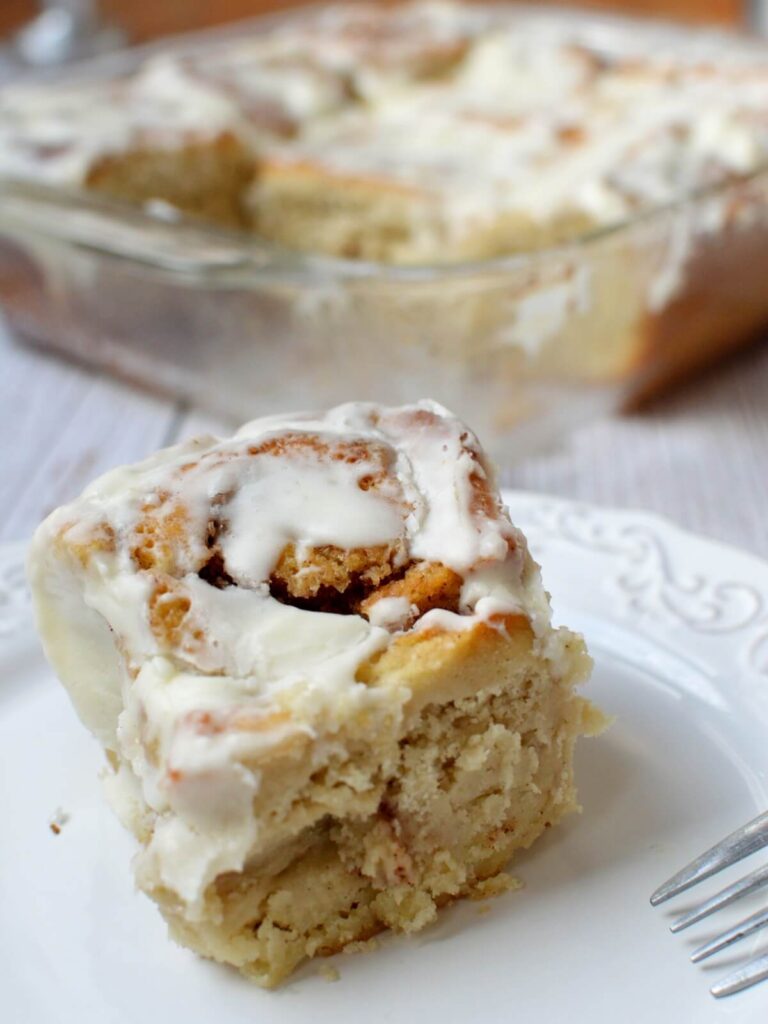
320 659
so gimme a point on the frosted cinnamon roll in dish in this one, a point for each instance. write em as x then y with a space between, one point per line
187 129
321 662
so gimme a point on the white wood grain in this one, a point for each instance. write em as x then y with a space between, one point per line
62 426
699 456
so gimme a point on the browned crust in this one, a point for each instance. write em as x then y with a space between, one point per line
205 178
425 585
168 610
317 178
463 660
100 539
161 537
347 573
722 307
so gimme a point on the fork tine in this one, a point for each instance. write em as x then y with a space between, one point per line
750 924
739 844
744 977
749 884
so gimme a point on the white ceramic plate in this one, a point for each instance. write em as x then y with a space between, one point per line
679 629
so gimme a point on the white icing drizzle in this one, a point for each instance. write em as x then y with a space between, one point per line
545 119
195 715
392 612
258 88
305 507
541 116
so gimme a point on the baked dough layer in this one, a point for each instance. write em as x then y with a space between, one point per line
320 659
474 779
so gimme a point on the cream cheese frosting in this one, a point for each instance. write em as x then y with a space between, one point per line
541 115
234 672
544 138
259 87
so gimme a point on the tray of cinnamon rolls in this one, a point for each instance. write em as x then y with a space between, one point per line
533 215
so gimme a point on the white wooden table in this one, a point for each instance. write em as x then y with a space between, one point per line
699 456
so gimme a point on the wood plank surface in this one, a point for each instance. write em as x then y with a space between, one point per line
62 426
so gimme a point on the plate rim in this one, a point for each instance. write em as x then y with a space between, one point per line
673 582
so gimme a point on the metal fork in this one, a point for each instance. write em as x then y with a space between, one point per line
739 844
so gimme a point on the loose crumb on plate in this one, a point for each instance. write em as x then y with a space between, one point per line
329 973
57 821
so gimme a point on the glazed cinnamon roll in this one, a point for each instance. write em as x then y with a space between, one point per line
320 659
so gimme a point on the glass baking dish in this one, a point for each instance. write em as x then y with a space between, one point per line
524 346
